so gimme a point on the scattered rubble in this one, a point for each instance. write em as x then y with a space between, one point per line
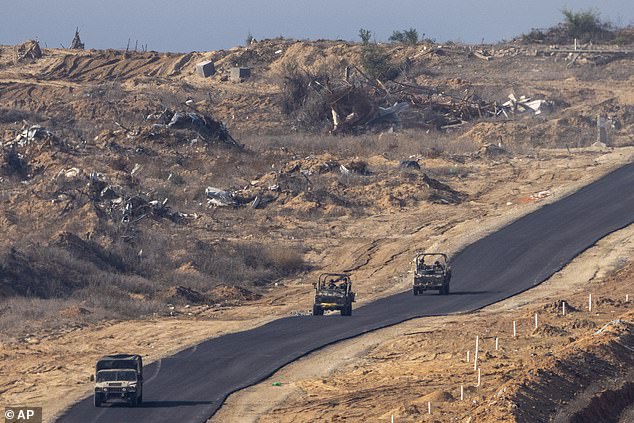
524 104
128 209
28 50
205 126
33 133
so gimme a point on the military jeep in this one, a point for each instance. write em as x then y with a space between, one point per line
119 377
333 291
431 271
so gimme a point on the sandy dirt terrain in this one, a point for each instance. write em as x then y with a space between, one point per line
162 284
34 371
400 371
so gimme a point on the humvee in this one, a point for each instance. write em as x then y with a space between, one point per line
333 291
431 271
120 377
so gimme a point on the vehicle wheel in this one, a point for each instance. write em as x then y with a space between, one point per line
318 311
139 399
98 400
415 291
134 401
347 310
444 290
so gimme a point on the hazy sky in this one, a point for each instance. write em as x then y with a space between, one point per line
197 25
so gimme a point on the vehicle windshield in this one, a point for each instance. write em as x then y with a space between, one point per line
116 375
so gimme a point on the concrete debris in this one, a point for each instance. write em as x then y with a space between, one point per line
206 127
220 198
482 54
137 168
33 133
251 196
113 202
73 172
29 50
239 74
355 166
206 69
541 195
525 104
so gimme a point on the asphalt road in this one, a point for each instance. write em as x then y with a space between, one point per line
191 385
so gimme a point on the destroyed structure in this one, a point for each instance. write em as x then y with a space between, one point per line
30 50
76 44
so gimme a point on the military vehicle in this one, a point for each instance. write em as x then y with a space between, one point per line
119 377
431 271
333 291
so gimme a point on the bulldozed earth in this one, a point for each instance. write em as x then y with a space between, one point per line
146 207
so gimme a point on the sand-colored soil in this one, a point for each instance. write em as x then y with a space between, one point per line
400 371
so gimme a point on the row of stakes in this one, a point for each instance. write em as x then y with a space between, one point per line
497 347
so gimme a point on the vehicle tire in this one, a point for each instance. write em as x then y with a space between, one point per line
134 401
415 291
318 311
139 399
347 310
444 290
98 400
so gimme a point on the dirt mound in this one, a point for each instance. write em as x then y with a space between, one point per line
549 330
182 294
228 293
437 396
89 251
599 364
74 312
557 307
116 65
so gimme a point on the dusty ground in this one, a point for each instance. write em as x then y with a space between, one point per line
369 225
31 364
399 371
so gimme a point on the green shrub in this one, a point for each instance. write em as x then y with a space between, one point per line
408 36
584 25
375 60
365 35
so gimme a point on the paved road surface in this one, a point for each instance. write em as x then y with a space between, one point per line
191 385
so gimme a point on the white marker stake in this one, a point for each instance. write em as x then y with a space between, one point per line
535 320
589 302
478 378
627 298
461 393
392 419
475 356
468 356
497 344
514 329
429 407
563 308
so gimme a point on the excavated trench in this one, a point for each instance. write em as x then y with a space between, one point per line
609 405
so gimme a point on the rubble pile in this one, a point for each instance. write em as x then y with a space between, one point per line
207 128
379 106
112 202
29 50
